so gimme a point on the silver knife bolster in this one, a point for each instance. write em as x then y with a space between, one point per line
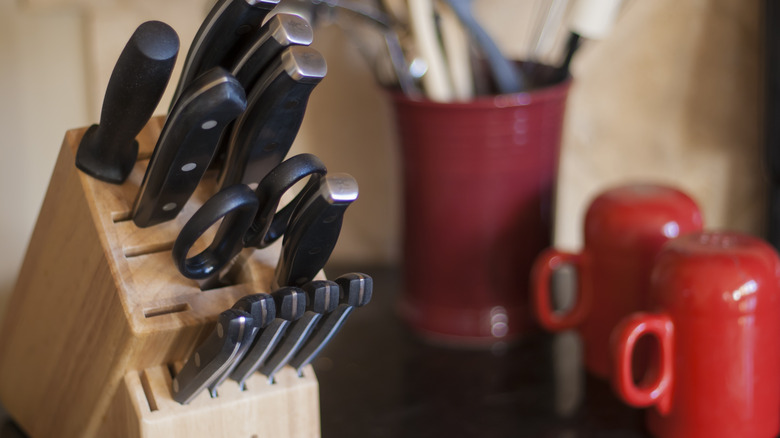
278 32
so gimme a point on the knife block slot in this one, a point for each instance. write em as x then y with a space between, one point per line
99 303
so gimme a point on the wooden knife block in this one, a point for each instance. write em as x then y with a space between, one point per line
100 314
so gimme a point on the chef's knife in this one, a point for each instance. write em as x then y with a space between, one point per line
322 298
279 32
314 229
263 310
262 136
355 291
108 150
186 145
290 306
228 23
213 356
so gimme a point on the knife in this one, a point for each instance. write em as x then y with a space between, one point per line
290 306
262 136
108 150
213 356
355 291
228 23
314 229
263 310
186 145
279 32
322 298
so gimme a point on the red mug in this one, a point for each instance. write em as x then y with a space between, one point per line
625 227
717 326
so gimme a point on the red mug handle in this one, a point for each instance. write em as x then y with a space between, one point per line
544 266
624 339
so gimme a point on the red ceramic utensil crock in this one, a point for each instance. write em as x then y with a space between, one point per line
478 181
625 228
717 326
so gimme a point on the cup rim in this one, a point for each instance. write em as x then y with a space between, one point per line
550 92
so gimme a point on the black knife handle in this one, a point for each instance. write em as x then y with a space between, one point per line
314 229
280 31
236 207
261 306
187 144
228 22
262 136
213 356
290 306
355 291
322 298
108 150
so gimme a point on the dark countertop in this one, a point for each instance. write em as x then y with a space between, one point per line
377 379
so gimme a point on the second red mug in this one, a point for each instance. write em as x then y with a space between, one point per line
716 322
625 228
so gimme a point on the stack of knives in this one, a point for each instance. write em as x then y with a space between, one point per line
237 109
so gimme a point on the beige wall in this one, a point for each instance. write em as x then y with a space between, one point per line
672 96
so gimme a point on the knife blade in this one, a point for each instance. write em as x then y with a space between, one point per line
314 228
322 298
279 32
262 136
108 150
227 23
212 356
186 145
355 291
290 306
263 310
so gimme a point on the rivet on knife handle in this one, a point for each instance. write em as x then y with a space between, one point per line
108 151
213 356
290 306
262 136
356 291
322 298
228 22
186 145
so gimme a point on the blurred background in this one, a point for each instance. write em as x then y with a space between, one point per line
672 95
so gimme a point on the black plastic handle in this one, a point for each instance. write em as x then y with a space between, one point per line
108 151
236 207
269 224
